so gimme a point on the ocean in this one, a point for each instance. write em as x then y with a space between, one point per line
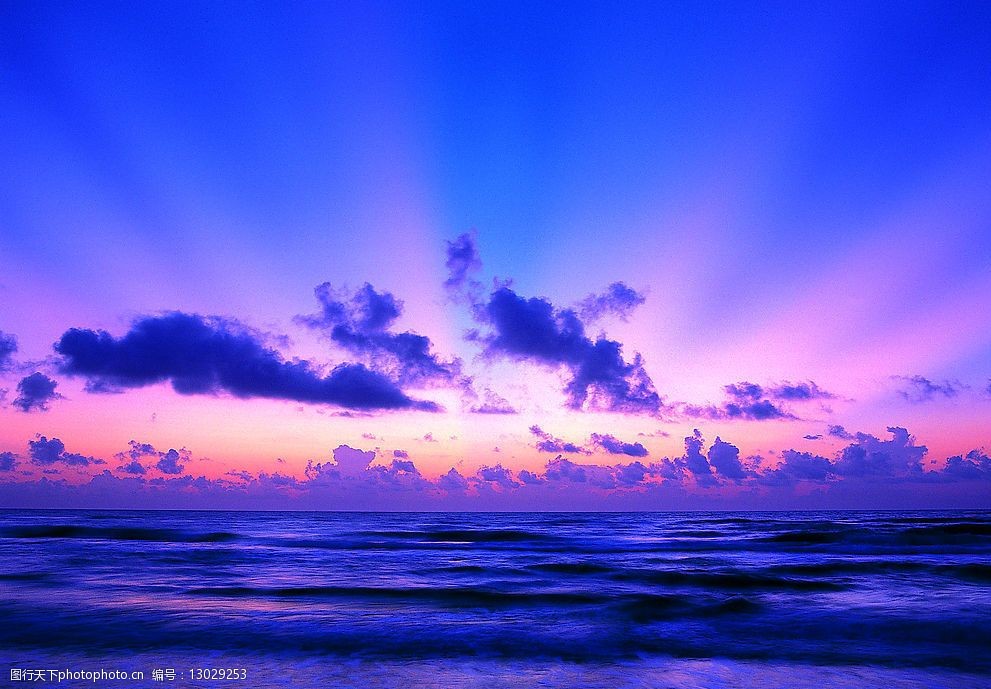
327 599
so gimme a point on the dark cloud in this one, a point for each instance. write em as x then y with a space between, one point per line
134 467
400 454
201 355
798 466
533 330
171 462
8 460
799 392
498 475
35 392
974 466
453 482
870 456
762 410
725 459
838 431
753 402
352 481
561 469
49 452
529 478
817 436
918 389
8 347
618 300
614 446
548 443
693 463
752 392
359 322
168 462
631 474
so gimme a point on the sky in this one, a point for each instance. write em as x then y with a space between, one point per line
495 255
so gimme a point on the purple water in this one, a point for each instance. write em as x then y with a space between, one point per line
463 600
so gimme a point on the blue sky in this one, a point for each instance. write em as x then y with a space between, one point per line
798 192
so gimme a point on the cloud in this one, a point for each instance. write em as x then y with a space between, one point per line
548 443
561 469
839 432
614 446
8 460
918 389
35 392
462 260
497 475
493 404
533 330
453 482
810 436
359 322
170 462
889 470
870 456
200 355
400 454
753 402
761 410
693 463
351 461
8 347
725 459
974 466
799 392
798 466
618 300
45 452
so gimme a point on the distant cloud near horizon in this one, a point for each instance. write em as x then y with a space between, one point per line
354 478
201 355
47 452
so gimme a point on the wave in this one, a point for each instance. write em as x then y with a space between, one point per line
116 534
453 596
464 535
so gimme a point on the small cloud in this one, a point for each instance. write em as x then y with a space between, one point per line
8 347
618 300
614 446
47 452
493 404
8 460
919 389
838 431
35 392
548 443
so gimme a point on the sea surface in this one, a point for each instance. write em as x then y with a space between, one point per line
703 599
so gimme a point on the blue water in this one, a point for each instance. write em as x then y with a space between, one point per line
663 599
